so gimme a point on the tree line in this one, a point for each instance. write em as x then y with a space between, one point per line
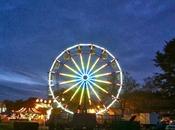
158 92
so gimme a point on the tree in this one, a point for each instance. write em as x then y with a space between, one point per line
165 60
130 85
9 105
149 84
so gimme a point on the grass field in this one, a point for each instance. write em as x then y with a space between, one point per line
6 126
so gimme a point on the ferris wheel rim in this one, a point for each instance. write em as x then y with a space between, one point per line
85 45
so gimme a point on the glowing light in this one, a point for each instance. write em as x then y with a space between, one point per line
99 87
82 92
49 113
103 66
76 92
94 65
91 111
36 107
89 98
69 81
102 81
73 86
76 65
50 101
71 69
68 75
82 63
88 63
93 91
119 92
101 75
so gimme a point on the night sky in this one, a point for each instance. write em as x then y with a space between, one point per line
34 32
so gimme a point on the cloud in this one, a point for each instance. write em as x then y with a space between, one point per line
15 91
19 84
20 77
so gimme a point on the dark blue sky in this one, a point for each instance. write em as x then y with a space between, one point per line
34 32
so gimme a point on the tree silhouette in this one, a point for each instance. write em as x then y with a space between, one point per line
149 85
130 85
165 60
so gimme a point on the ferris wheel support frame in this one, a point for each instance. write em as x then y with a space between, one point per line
84 45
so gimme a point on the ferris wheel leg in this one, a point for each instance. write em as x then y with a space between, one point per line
85 103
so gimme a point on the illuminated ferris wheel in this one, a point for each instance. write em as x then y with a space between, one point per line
86 77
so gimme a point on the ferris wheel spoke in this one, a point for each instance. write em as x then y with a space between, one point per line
72 69
107 93
96 85
94 64
93 91
103 66
82 92
88 63
76 92
76 65
82 62
101 75
88 94
73 86
68 75
69 81
101 81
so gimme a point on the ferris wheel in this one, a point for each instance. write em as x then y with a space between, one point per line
85 76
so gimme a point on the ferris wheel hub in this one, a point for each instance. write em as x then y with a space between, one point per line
85 77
